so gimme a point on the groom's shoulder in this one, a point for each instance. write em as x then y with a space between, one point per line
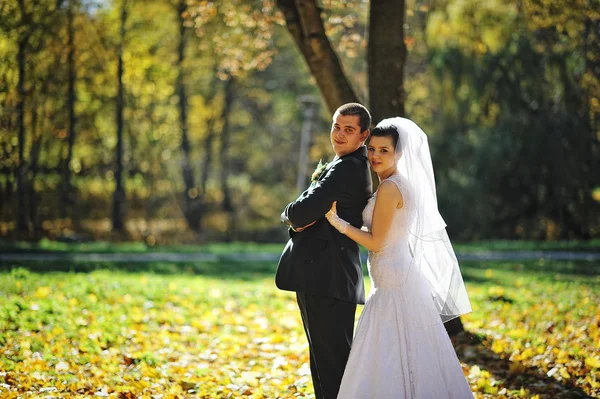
352 164
348 165
357 159
348 171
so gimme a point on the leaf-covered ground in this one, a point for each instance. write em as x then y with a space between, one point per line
532 335
120 335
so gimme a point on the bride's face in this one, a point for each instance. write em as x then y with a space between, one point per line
381 153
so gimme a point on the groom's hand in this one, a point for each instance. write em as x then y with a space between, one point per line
299 229
287 222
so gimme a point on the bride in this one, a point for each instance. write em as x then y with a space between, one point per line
401 348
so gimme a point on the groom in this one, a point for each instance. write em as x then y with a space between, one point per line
322 265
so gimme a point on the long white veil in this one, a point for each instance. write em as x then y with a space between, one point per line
431 250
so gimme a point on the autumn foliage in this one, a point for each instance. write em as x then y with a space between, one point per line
123 335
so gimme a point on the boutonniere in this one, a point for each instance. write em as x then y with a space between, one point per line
317 173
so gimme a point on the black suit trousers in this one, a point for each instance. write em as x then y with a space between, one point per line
329 326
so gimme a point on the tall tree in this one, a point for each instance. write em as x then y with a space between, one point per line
386 55
210 136
236 37
30 26
34 156
227 203
304 22
516 93
192 207
23 43
119 193
71 99
22 46
386 59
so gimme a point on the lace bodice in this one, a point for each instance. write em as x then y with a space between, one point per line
389 267
399 228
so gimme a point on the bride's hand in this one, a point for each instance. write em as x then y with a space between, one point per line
337 222
332 211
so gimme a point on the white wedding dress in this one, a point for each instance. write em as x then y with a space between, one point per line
401 349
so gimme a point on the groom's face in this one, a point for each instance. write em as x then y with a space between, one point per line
346 136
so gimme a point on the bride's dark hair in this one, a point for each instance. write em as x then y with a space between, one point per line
386 131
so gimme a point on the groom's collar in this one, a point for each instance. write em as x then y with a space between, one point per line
360 152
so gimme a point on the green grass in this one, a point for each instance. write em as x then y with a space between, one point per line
535 324
219 269
221 329
239 247
45 245
528 245
245 270
541 266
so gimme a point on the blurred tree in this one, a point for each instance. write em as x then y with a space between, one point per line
386 58
500 87
23 42
516 109
192 207
118 216
29 31
67 194
237 36
386 53
305 24
225 161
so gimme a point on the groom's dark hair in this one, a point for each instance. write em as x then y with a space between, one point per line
364 117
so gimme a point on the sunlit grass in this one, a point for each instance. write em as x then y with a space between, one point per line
148 334
126 335
545 321
46 245
251 247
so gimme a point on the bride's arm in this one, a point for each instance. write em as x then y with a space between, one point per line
388 200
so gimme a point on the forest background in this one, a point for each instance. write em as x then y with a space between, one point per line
174 121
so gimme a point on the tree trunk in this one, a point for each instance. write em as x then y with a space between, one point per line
192 208
386 57
119 194
303 21
227 204
210 135
34 157
208 156
21 208
5 194
22 225
67 195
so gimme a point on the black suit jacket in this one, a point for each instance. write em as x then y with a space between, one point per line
320 260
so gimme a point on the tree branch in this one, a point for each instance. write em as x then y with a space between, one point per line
303 21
